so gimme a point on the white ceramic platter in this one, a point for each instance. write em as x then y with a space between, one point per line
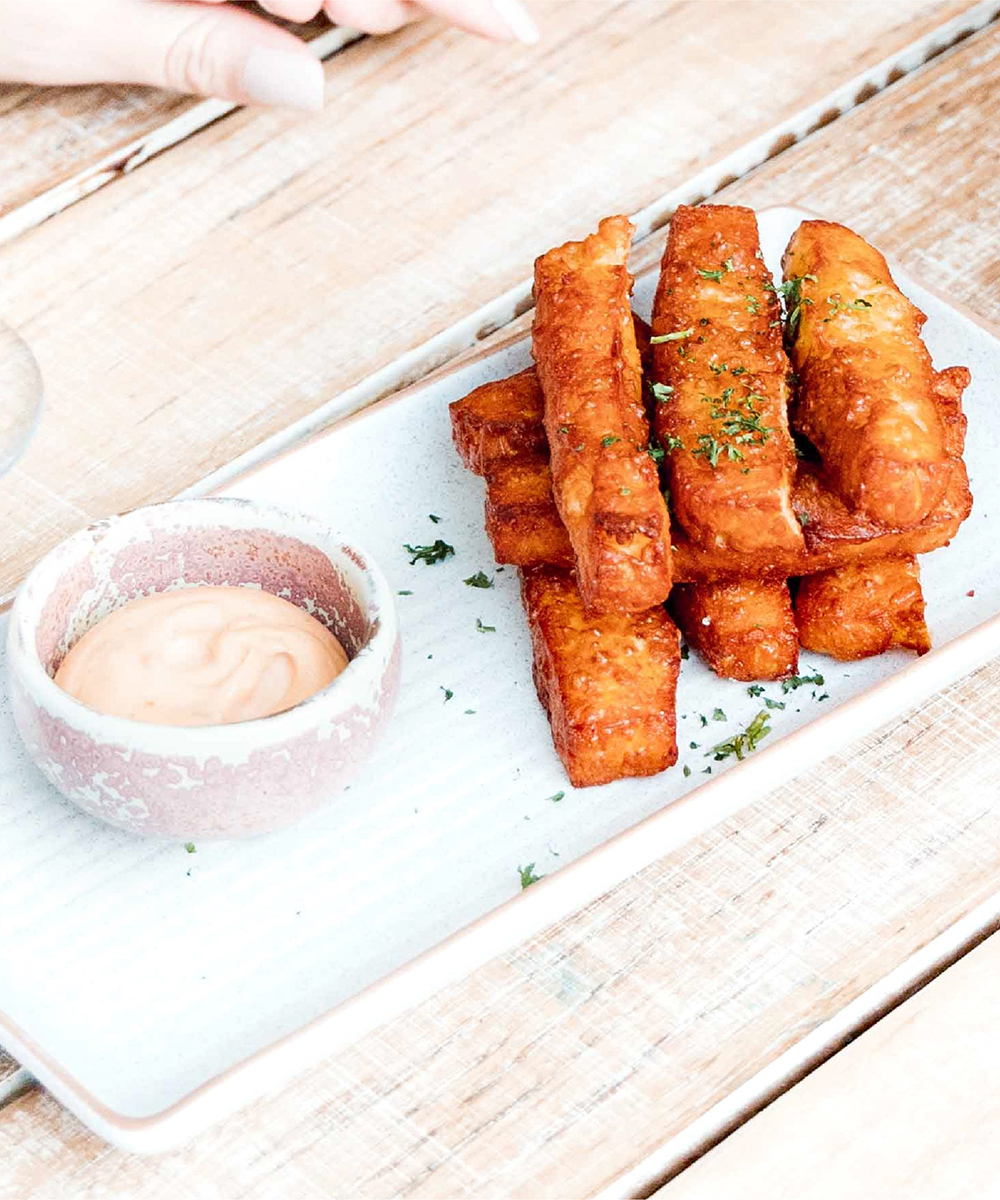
154 990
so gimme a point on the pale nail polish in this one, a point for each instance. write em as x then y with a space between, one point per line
518 20
282 79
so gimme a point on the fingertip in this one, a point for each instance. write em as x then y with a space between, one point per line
281 78
518 20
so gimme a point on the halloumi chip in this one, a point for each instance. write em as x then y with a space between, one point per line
863 609
605 484
866 393
608 682
721 382
743 628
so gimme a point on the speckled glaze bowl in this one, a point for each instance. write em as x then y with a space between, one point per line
218 781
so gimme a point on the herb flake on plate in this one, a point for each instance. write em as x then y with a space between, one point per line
436 553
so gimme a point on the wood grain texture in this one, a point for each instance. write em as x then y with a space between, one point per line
911 1107
51 135
7 1066
555 1069
193 307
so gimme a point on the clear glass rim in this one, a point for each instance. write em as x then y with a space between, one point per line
21 396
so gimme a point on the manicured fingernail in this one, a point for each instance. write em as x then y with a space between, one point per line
518 20
283 79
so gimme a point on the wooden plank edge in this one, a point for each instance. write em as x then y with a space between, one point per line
125 159
648 1178
514 303
12 1085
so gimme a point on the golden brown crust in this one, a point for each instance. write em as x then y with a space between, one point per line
502 419
730 457
866 395
605 484
743 628
522 521
525 528
863 609
607 682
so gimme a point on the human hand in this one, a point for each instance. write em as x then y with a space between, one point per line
210 47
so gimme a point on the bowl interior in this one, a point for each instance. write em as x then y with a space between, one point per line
135 556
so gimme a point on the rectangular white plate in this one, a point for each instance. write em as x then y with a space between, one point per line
154 990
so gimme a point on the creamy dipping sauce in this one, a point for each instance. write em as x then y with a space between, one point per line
202 656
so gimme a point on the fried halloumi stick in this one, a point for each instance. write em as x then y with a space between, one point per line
607 682
866 396
522 521
605 484
722 385
503 419
743 628
863 609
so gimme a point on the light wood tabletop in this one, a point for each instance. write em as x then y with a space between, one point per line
255 273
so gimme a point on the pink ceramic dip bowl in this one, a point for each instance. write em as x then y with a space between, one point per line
218 781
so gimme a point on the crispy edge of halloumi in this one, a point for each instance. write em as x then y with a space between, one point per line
607 682
606 486
866 392
500 419
724 420
743 628
522 521
863 609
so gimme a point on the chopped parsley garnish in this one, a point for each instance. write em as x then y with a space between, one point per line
773 703
703 719
448 693
753 305
825 696
797 681
563 429
661 392
743 743
718 368
528 876
189 847
479 580
470 712
837 306
692 745
655 452
624 491
711 449
755 690
803 518
485 628
677 336
555 800
429 554
404 593
791 295
687 770
435 519
719 715
609 439
685 653
737 371
673 443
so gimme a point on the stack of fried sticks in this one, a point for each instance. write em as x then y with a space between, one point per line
760 434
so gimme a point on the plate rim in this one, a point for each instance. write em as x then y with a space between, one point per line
554 898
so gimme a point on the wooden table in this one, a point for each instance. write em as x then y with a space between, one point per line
264 270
